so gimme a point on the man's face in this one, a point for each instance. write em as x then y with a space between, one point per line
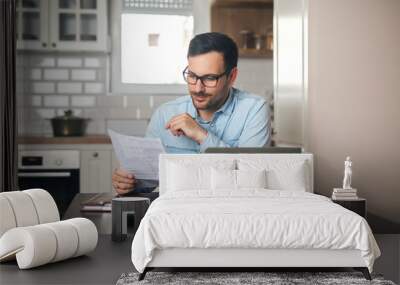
209 98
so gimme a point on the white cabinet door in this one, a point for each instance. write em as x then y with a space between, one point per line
32 24
65 25
95 174
78 25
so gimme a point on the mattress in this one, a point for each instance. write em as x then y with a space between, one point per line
251 219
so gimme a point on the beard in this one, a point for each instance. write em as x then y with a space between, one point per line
209 102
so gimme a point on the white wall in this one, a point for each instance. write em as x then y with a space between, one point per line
354 101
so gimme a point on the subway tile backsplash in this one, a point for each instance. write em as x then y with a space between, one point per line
35 74
92 62
129 127
83 101
56 101
55 74
50 83
94 88
69 87
43 87
42 61
72 61
83 74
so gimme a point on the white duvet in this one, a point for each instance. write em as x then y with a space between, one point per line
253 218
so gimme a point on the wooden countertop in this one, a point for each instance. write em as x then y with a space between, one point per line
89 139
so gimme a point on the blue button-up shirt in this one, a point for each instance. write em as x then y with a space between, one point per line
243 121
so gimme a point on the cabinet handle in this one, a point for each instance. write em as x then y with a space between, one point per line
44 45
53 45
95 154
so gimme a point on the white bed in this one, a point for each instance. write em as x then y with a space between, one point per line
224 216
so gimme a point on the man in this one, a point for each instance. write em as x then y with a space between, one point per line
214 115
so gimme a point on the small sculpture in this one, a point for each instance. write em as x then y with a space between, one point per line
347 173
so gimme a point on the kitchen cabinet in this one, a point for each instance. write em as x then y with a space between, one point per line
248 22
96 158
67 25
96 171
32 26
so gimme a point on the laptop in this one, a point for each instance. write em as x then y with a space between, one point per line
269 149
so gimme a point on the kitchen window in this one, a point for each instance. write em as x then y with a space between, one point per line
150 41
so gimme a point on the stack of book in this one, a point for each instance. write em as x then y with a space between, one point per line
98 203
344 194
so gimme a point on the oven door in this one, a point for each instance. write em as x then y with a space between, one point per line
62 184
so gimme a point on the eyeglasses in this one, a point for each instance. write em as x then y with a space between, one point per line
208 80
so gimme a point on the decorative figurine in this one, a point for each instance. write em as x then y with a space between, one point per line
347 173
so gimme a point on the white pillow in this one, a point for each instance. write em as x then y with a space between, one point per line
251 178
236 179
186 174
223 179
288 179
281 174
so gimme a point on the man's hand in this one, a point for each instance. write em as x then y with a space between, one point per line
184 124
123 182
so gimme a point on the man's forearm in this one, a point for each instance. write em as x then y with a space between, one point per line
212 141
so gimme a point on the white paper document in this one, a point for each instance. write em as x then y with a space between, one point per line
137 155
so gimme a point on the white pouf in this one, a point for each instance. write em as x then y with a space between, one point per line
23 208
46 208
31 232
7 218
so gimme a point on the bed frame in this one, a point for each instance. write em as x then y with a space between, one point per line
256 258
251 258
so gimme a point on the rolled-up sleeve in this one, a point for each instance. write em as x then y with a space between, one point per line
153 128
212 141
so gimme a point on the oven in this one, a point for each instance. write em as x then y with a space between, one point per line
56 171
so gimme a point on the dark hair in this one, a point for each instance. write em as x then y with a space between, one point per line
208 42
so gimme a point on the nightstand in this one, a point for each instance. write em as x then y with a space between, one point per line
121 208
358 206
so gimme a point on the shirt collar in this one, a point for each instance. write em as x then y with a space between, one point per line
228 105
226 108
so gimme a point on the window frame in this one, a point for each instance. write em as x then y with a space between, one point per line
116 85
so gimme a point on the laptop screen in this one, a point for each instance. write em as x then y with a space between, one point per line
272 149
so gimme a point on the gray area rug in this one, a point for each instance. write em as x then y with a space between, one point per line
273 278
